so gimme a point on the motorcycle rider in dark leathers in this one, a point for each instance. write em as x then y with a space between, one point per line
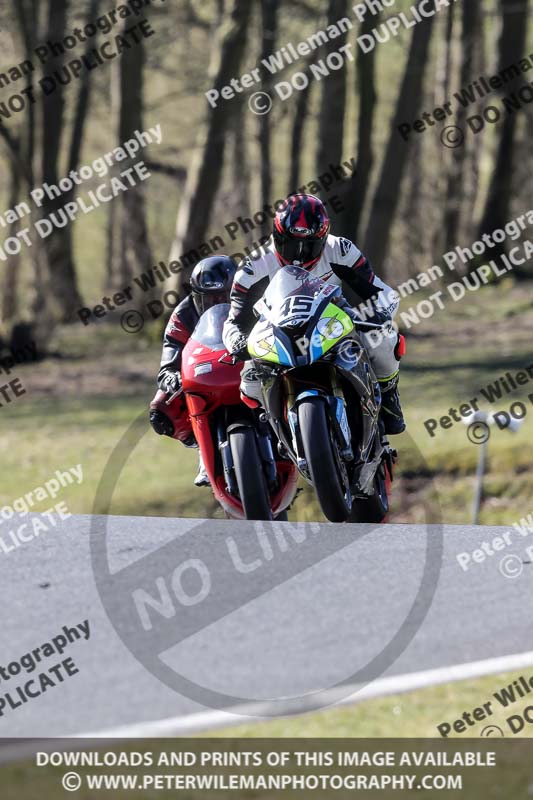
211 281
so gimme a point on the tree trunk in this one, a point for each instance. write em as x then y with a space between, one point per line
35 158
10 279
442 156
269 16
20 153
448 51
241 178
333 104
356 188
84 97
129 249
418 238
298 127
472 169
205 174
470 45
63 289
387 195
21 150
511 47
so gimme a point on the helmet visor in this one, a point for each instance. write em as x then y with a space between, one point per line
299 251
203 302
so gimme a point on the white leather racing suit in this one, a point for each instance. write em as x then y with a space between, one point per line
341 262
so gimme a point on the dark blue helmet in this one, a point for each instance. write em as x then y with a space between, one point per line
211 282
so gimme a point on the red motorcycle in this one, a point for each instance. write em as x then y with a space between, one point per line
248 478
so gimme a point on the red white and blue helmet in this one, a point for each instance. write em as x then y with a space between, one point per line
301 229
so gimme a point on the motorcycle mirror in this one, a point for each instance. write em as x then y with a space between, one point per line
173 396
362 326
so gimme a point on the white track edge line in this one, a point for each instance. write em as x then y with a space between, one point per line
207 720
213 720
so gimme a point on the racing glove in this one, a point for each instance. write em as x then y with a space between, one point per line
239 349
172 383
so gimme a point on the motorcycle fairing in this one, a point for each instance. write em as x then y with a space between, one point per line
298 322
212 392
293 345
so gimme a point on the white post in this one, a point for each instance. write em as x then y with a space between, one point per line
480 473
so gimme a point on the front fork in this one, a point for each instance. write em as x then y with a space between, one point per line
266 452
337 413
390 457
339 416
227 457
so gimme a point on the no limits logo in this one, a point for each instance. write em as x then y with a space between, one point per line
261 594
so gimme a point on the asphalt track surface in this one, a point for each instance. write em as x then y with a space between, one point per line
278 613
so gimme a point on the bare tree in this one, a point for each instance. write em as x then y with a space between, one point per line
129 249
269 17
356 188
301 109
240 165
20 149
470 47
445 70
9 306
333 103
63 289
511 47
387 194
83 99
204 176
35 155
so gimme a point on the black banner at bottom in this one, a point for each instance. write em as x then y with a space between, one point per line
264 768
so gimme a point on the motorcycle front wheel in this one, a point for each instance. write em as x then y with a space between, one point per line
249 474
376 508
327 470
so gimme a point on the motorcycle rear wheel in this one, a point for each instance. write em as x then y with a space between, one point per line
328 473
249 473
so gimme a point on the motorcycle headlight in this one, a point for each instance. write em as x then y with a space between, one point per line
262 345
330 328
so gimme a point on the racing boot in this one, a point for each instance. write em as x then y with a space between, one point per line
391 409
202 479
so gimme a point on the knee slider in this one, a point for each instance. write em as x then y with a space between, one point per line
400 348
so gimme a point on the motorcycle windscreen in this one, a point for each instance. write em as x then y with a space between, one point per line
293 296
299 323
209 328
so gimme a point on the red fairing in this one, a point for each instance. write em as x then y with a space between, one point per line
208 385
202 373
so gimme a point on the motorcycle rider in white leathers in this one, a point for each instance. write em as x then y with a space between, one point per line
301 237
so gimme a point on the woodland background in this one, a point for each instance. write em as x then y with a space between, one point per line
408 203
